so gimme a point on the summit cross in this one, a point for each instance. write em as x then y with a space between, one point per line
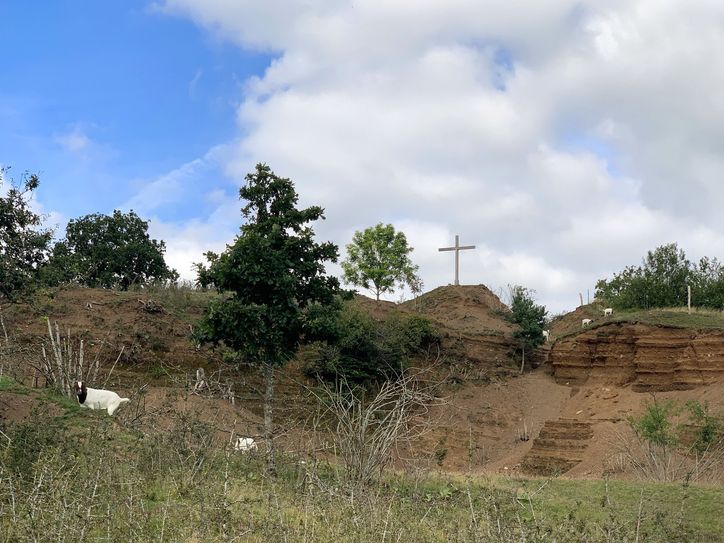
457 250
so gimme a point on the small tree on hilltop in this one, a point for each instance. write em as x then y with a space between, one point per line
111 251
377 258
529 317
24 245
275 286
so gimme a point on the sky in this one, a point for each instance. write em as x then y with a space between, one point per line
563 138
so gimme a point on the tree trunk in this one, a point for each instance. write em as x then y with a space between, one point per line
268 425
522 363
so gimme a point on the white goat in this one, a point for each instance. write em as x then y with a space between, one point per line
608 311
586 322
244 444
93 398
547 335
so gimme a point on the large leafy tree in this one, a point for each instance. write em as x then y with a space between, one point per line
274 283
660 281
529 317
378 258
24 245
112 251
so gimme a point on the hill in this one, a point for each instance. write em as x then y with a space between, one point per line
565 417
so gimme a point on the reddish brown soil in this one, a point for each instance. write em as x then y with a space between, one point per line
649 358
565 417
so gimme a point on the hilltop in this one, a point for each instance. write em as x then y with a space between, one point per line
560 418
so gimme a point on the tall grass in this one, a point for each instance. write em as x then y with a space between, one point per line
96 481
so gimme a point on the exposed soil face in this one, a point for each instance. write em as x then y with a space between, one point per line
565 417
649 358
472 321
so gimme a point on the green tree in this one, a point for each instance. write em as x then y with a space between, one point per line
660 281
529 317
276 293
24 245
378 258
111 251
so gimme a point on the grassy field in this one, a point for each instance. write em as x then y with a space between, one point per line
83 476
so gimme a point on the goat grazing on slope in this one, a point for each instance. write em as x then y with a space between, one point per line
608 311
244 444
586 322
547 335
94 398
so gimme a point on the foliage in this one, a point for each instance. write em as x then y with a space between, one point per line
276 293
364 350
655 425
378 258
708 431
662 279
29 440
24 246
273 276
133 489
110 251
689 450
529 317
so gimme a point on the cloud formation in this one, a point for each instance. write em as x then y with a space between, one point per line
564 139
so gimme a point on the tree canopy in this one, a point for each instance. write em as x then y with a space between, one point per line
24 245
662 279
378 258
529 317
276 293
111 251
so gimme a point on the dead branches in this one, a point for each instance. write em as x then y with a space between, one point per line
367 429
66 363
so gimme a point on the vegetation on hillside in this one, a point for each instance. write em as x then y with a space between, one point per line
365 351
277 295
108 251
529 317
662 280
676 442
378 258
24 244
58 484
98 251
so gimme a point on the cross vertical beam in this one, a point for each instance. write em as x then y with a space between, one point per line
457 248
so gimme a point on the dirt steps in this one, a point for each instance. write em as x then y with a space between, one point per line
560 445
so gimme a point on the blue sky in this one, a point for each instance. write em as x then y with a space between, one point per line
564 140
102 97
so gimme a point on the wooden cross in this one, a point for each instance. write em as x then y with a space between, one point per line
457 250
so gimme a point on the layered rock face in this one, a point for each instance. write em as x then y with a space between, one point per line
560 445
471 320
649 358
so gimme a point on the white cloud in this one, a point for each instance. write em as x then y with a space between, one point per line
564 139
74 141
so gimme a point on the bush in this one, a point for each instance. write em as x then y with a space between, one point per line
667 451
368 351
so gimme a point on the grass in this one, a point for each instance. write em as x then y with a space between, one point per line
703 506
8 384
677 317
174 485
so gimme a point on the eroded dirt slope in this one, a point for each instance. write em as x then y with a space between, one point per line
647 357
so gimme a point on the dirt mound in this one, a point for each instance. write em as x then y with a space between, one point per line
472 322
470 309
650 358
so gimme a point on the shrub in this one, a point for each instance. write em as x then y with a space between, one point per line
368 351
